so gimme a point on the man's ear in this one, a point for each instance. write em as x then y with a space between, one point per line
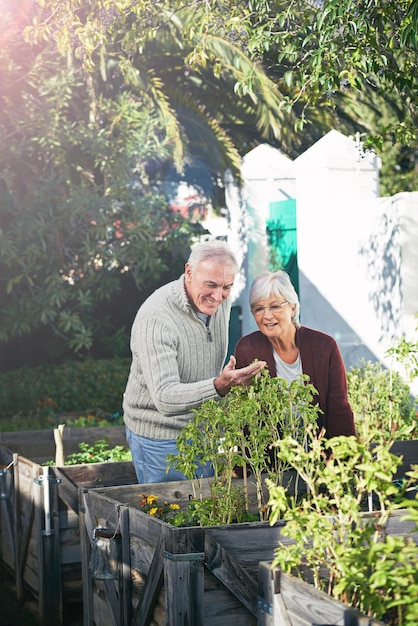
188 271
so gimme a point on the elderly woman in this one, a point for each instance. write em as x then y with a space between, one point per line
290 349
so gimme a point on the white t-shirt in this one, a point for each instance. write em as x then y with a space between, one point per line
288 371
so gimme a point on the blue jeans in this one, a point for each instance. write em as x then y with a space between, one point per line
149 457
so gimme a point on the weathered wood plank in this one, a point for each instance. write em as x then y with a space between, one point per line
92 475
396 525
7 530
25 513
85 534
152 587
183 585
221 607
112 594
67 489
183 576
227 569
126 567
271 609
306 605
231 552
7 526
408 450
259 538
179 492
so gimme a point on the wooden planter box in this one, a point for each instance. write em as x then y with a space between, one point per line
40 446
171 575
287 601
43 551
408 450
7 517
176 576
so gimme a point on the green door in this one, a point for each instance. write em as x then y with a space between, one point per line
234 329
282 238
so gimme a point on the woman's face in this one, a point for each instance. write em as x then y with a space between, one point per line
274 316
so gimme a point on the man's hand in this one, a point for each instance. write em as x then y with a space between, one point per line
230 377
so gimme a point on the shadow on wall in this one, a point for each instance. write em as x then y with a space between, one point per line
316 312
382 255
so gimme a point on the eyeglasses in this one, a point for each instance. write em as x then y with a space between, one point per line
274 308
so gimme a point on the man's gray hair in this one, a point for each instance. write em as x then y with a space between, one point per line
213 250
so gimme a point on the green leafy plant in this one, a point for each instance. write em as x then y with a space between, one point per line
406 353
347 552
239 432
98 452
381 399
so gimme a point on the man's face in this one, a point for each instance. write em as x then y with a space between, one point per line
208 284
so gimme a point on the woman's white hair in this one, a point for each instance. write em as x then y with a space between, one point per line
278 285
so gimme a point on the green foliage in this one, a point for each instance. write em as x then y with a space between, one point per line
355 61
348 553
46 390
382 400
76 209
98 452
238 432
406 353
208 46
47 419
101 103
339 45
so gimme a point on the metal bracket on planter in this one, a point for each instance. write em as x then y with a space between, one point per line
45 481
193 556
264 606
40 480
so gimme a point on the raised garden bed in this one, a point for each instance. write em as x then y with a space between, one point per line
176 576
208 574
40 527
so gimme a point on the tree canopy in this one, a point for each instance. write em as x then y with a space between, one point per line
96 109
323 47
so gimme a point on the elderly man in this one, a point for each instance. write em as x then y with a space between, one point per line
179 344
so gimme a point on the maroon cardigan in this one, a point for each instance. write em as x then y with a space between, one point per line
321 360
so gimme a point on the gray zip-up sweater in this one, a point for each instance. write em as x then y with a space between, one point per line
175 359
